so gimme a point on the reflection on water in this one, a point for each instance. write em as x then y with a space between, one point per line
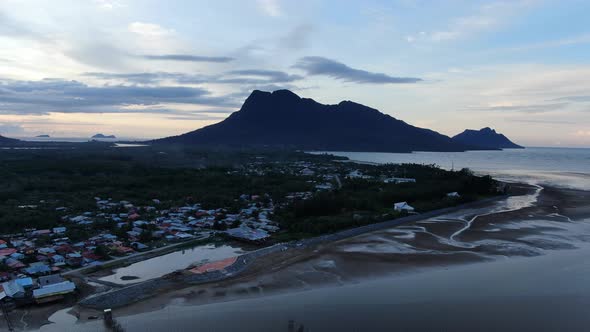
161 265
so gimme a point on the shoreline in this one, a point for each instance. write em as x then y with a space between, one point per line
127 295
553 200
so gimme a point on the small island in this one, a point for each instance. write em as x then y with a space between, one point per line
43 136
103 136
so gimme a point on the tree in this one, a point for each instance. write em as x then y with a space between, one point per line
219 226
102 252
145 236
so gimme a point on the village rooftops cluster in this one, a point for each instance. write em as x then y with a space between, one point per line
27 290
46 252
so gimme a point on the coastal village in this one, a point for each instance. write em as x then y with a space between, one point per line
32 262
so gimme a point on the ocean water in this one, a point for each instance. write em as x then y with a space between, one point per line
564 167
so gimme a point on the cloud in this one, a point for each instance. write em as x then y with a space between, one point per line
582 99
575 40
270 7
12 28
531 108
149 29
61 96
487 17
188 58
298 38
245 76
8 129
582 133
266 75
551 122
315 65
108 4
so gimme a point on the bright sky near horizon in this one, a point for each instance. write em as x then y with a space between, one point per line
154 68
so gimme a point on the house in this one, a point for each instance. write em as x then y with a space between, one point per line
139 246
26 283
50 280
74 259
399 180
46 251
124 250
454 194
37 268
355 174
58 260
52 292
183 236
13 289
403 206
17 255
307 172
14 264
248 234
59 230
109 237
7 252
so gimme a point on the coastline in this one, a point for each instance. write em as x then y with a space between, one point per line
137 292
277 273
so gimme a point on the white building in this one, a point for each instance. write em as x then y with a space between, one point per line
399 180
454 194
403 206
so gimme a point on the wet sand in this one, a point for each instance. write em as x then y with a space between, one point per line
544 293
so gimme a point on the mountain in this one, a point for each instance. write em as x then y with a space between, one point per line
283 119
486 138
6 140
103 136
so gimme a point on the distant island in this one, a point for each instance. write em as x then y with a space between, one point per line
485 138
103 136
45 136
282 119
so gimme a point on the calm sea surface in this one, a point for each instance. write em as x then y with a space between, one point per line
565 167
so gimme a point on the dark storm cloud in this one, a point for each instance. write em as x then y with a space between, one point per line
188 58
315 65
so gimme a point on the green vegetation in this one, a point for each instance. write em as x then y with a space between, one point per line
36 182
364 201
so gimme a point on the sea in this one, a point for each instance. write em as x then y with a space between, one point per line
563 167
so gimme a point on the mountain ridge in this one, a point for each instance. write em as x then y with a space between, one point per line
5 140
284 119
486 138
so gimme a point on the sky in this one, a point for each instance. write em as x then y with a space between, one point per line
155 68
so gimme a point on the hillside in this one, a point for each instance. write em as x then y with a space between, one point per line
283 119
485 138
